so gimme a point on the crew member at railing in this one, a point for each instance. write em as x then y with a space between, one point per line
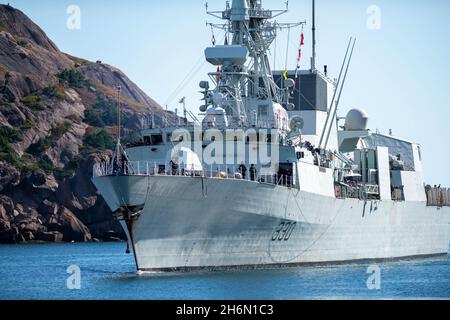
174 167
242 170
253 172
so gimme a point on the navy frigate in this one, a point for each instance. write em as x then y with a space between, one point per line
270 176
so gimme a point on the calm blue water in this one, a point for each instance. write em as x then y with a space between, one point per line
39 272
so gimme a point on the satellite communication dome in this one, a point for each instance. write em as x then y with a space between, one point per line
296 124
356 120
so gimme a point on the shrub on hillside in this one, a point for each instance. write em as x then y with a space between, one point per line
73 78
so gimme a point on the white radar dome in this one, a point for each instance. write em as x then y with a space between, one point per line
356 120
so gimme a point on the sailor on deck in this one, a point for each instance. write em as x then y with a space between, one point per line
242 170
253 172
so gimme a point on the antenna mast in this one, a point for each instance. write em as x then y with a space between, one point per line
183 101
118 115
117 155
313 58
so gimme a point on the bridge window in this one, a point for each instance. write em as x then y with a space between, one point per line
262 111
152 140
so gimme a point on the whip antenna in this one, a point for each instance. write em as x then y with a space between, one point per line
313 58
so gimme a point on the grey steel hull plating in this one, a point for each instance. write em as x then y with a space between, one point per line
189 224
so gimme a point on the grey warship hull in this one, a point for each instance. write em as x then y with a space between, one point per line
262 225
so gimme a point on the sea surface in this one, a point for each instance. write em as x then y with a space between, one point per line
105 272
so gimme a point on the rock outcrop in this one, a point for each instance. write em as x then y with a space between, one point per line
9 176
57 116
27 55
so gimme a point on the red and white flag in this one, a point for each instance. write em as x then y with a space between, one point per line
299 58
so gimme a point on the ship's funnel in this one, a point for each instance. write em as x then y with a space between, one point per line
239 10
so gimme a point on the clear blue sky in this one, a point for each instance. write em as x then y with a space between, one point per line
400 73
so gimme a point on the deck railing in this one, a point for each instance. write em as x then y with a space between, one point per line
145 168
438 197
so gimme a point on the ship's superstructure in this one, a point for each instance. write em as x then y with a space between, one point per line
270 177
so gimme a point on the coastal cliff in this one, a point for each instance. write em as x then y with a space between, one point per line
57 117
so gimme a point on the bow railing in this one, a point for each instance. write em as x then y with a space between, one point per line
146 168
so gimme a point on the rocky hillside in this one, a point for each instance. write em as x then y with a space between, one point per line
57 115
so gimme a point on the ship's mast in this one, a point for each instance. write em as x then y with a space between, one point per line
313 58
242 85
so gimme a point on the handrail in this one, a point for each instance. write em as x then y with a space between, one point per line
145 168
438 197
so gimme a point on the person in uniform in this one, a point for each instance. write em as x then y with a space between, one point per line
242 170
253 172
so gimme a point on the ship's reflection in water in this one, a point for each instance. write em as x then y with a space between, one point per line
40 272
